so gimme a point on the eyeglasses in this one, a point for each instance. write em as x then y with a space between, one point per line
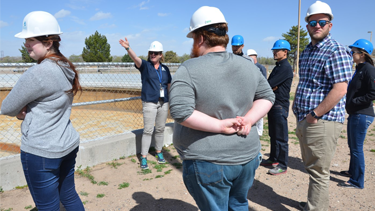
353 52
322 23
156 53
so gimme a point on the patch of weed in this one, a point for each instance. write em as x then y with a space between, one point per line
372 150
343 137
83 193
28 207
123 185
122 158
114 164
86 173
84 202
144 172
168 172
9 209
147 179
133 160
21 187
100 195
177 165
159 176
103 183
292 132
1 190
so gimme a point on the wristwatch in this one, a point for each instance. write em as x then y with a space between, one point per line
313 114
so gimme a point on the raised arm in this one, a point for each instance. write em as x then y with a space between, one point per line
135 58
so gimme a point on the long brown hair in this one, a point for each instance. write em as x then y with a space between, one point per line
368 58
58 56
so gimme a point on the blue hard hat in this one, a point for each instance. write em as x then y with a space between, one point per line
281 44
364 45
237 40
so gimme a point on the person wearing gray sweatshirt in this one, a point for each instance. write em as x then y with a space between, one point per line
215 99
43 98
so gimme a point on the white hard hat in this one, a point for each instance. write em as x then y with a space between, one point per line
39 23
156 46
318 8
251 52
205 16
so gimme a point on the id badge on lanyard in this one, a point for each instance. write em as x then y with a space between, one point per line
160 76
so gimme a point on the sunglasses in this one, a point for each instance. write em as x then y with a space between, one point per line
155 53
353 52
322 23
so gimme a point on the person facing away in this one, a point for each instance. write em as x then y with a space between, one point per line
280 81
42 98
359 106
156 80
253 54
319 104
216 97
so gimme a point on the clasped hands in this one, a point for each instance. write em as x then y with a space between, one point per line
239 125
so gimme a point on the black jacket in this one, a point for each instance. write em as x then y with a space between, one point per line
361 91
280 81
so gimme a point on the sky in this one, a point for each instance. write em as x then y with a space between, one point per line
260 22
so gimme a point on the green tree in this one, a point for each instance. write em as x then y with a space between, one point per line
292 36
184 58
266 60
116 58
25 55
76 58
97 49
171 57
126 58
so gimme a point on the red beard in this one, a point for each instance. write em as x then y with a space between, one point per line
194 51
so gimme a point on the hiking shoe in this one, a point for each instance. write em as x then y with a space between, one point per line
160 158
302 205
144 163
269 163
277 171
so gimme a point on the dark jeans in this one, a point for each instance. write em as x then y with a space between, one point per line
278 132
51 181
357 129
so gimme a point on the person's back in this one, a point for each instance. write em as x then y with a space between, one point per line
216 78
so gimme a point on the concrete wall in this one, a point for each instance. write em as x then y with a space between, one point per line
90 153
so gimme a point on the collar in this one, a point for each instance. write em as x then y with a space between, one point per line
281 62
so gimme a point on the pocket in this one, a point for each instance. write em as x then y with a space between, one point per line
208 173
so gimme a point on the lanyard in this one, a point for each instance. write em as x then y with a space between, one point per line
160 76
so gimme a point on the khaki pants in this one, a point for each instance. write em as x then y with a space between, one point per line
318 145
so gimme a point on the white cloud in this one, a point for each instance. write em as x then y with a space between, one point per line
3 24
62 13
106 25
141 5
100 15
270 39
162 14
77 20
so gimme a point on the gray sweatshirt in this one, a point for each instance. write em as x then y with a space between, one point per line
46 129
221 85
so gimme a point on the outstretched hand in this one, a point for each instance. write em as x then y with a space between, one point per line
125 43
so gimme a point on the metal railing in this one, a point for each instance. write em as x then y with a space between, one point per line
110 103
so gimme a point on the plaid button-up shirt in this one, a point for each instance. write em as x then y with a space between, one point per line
321 66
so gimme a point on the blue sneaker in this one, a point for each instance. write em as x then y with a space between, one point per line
160 157
144 163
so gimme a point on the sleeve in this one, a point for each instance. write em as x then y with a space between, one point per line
181 96
142 67
27 89
369 82
279 78
339 66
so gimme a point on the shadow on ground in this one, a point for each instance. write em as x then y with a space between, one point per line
146 201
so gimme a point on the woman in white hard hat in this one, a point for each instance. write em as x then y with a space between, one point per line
359 106
156 80
42 98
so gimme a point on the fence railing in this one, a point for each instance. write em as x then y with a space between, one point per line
110 103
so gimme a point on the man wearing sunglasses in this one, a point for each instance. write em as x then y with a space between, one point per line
319 104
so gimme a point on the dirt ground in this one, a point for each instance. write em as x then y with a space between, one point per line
164 189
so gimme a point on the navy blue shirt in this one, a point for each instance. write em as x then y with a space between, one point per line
280 81
151 81
262 70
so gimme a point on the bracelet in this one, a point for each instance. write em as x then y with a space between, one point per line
127 48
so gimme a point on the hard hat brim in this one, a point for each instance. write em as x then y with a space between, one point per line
24 35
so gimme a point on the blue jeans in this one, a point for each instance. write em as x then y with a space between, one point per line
357 129
51 181
219 187
278 132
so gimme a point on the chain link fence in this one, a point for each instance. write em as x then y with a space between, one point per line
110 103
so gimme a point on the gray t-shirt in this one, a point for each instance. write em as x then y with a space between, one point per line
46 129
221 85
